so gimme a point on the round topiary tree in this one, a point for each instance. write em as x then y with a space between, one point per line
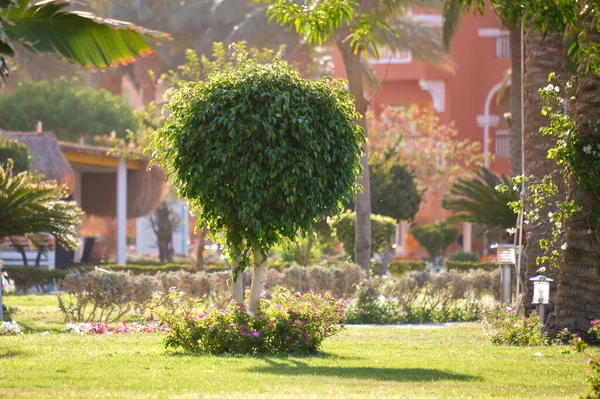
18 152
383 231
263 153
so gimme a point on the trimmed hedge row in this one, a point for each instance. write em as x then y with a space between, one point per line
463 266
29 278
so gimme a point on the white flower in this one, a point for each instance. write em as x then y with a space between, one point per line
550 214
556 89
587 149
589 231
9 328
549 87
564 246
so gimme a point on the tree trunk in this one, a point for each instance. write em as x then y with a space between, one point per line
362 242
200 249
544 56
257 280
515 102
388 256
577 300
237 285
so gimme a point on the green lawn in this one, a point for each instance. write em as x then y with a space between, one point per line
455 361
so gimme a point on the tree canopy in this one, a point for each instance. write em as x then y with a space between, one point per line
66 107
262 152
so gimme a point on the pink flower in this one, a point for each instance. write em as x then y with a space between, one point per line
271 324
296 341
588 372
287 338
172 289
231 326
255 334
297 294
590 360
595 322
212 327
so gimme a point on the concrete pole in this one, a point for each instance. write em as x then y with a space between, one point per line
505 288
467 237
122 212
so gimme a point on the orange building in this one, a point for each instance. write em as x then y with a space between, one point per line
467 97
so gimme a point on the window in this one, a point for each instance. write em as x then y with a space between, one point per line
502 143
502 47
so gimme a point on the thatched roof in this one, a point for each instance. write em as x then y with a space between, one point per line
145 189
48 158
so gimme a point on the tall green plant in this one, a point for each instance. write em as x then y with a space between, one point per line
384 229
29 205
262 153
484 199
435 238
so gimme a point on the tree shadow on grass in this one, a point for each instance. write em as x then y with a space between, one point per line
265 357
368 373
11 353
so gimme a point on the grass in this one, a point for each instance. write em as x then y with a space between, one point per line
420 362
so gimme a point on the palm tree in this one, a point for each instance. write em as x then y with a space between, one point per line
356 28
51 27
477 200
543 57
29 205
578 294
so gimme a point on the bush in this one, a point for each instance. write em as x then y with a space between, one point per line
462 266
383 231
504 327
139 268
285 324
18 152
463 256
93 296
401 267
67 107
435 238
28 278
420 297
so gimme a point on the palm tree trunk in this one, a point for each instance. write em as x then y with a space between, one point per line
578 295
362 241
515 102
541 60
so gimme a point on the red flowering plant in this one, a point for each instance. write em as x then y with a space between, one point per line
287 323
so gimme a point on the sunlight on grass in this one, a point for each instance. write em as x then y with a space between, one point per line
455 361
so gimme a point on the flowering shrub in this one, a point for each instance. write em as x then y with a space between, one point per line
123 328
504 327
593 375
9 328
284 324
422 297
92 296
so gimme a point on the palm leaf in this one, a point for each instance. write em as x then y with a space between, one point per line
476 200
80 37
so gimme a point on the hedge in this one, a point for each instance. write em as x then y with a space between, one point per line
28 278
399 267
463 266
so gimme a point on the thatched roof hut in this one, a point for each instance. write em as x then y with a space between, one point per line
48 159
91 174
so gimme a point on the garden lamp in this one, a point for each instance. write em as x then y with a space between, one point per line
505 257
541 293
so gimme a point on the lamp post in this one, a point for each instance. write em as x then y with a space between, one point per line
541 294
505 256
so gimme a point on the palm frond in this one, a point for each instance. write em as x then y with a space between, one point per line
422 41
478 201
81 37
29 205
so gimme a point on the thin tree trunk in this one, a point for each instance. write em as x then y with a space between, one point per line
388 256
309 243
578 296
200 249
257 280
362 242
544 56
237 285
515 102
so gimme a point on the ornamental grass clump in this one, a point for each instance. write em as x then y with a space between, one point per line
288 323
